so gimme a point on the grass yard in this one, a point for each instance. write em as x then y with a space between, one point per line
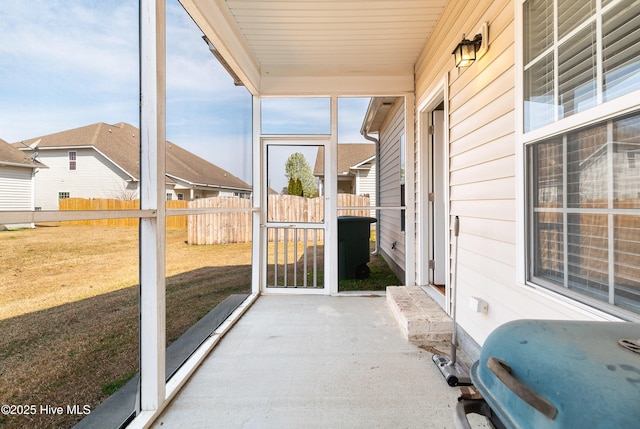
381 276
69 310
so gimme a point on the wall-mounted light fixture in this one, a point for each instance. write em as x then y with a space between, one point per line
468 51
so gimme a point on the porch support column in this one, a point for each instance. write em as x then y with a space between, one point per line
152 197
259 200
331 203
409 191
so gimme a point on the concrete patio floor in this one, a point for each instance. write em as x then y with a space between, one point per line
306 361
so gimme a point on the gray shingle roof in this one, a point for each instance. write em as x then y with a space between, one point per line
120 143
349 155
13 156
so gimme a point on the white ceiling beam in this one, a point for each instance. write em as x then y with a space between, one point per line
353 85
218 25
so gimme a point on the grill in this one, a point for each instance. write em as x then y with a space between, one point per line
558 374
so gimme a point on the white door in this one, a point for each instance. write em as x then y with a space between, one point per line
438 225
294 217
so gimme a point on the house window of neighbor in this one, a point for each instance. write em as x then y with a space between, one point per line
583 55
63 195
582 185
180 197
72 160
169 196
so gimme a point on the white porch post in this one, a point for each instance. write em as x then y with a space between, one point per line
409 191
331 203
258 270
152 197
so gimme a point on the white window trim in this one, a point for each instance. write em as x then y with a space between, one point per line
608 110
74 160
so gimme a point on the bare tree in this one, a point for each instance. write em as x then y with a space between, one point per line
124 193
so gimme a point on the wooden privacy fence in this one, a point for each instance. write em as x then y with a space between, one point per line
235 227
178 222
222 227
231 221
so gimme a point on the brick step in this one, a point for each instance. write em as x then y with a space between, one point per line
422 321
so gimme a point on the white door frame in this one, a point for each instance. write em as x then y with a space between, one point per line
425 238
260 196
302 141
330 195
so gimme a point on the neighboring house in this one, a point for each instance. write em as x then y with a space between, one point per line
356 169
103 161
385 117
17 171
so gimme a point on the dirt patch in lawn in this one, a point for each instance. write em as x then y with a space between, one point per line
69 311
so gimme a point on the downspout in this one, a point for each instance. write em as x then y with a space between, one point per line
363 131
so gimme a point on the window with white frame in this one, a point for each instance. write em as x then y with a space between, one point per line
584 193
72 160
577 54
583 184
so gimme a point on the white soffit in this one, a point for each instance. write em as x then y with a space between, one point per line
307 46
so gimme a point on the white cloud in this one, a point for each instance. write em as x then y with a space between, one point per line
65 64
81 40
69 63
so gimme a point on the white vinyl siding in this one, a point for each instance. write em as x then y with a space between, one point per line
481 113
16 188
94 177
481 150
366 181
366 185
392 239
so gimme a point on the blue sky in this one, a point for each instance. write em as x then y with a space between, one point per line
70 63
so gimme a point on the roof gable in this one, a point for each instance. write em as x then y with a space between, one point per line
189 167
120 144
350 155
9 155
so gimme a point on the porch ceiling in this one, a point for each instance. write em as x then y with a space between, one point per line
292 47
